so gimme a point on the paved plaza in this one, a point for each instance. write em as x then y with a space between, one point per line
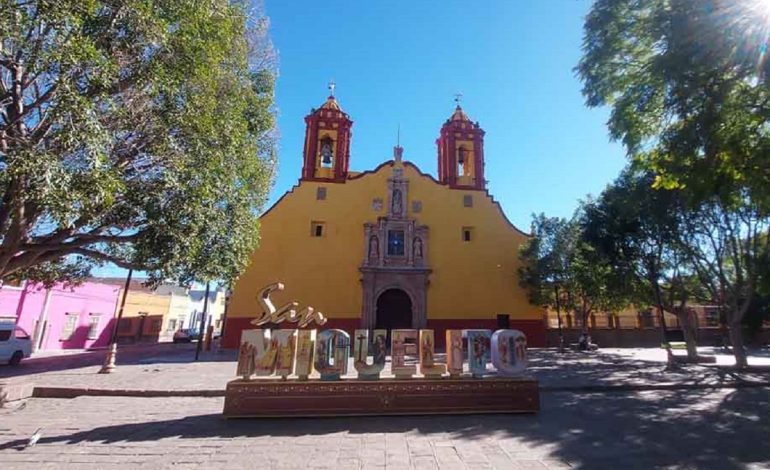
616 409
720 429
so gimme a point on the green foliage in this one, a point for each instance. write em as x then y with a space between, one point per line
138 133
687 84
561 271
686 81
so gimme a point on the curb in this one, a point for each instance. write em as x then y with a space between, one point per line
652 387
67 392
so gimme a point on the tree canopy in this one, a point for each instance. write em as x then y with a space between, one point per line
134 132
687 84
686 81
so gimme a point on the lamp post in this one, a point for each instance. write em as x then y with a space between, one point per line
203 321
112 350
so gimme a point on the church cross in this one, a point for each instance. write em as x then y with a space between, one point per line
361 338
458 98
332 86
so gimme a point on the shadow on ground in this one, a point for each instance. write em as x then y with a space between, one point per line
606 368
725 430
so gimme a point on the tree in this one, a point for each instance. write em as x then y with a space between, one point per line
137 133
637 229
561 271
727 246
544 265
687 84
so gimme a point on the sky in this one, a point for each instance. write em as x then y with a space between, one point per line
400 63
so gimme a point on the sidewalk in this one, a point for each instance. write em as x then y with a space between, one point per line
173 371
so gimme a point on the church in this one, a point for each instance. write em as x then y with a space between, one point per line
392 247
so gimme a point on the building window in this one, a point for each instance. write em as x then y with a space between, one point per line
70 323
156 325
171 325
467 234
124 326
646 320
396 242
320 193
416 207
317 229
467 200
93 325
712 316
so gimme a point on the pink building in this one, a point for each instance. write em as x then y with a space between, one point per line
62 318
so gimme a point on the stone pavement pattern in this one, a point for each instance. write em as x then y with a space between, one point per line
173 369
721 429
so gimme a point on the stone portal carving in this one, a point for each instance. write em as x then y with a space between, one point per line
395 256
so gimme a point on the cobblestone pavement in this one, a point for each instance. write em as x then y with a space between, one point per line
173 368
720 429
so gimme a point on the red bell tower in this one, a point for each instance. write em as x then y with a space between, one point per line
327 143
461 153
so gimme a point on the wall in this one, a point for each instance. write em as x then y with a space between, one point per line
86 301
471 281
156 308
214 310
642 338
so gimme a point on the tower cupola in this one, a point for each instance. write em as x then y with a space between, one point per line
461 152
327 143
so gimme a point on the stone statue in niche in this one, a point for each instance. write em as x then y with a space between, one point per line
417 248
397 202
374 247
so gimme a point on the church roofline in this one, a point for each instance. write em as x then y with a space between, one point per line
419 172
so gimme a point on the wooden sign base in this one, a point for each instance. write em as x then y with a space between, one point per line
265 398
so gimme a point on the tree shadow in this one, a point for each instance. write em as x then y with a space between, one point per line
609 369
637 430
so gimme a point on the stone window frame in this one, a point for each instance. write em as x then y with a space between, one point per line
317 229
94 319
467 235
70 326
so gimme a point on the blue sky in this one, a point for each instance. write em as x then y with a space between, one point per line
401 62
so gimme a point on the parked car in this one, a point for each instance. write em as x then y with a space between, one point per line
15 344
185 335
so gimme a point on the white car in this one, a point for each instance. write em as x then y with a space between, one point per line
15 344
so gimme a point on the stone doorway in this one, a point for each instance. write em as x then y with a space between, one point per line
394 310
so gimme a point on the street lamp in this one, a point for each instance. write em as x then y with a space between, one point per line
112 350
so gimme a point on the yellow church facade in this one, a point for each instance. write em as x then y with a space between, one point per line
392 247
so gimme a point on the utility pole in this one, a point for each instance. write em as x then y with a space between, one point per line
203 321
112 350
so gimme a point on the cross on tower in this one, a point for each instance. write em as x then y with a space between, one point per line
458 98
332 86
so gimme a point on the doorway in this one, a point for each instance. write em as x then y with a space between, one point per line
394 310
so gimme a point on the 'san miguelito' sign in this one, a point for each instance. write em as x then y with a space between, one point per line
286 352
442 389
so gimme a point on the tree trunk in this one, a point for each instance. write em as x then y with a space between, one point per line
689 335
736 338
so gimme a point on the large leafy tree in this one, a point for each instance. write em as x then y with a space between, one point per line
637 229
561 271
134 132
687 84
